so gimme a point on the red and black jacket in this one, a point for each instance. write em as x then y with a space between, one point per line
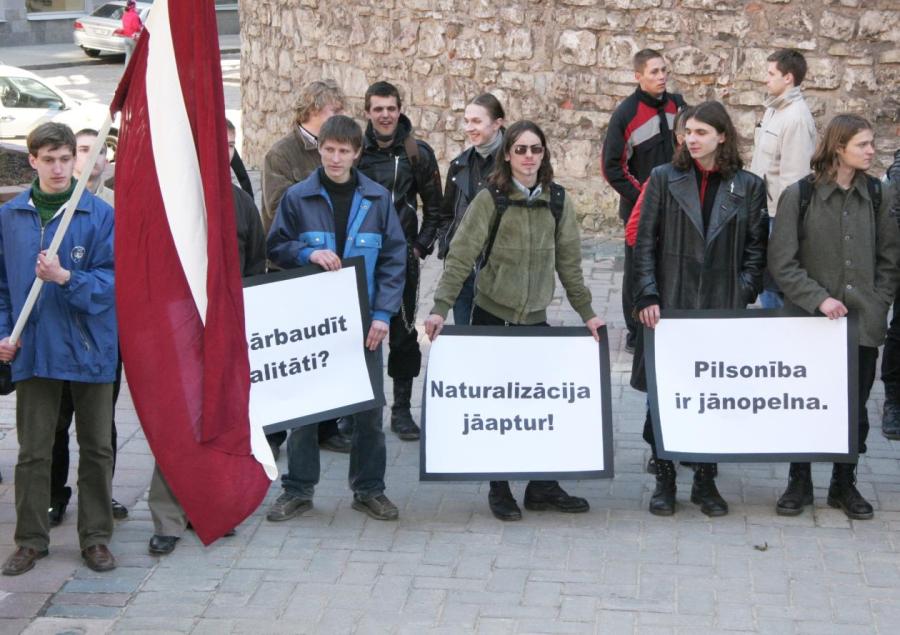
639 138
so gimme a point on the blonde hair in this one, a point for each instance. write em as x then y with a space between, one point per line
315 96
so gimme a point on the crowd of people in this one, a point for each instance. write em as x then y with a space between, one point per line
805 227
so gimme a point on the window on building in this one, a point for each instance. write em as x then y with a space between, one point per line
55 6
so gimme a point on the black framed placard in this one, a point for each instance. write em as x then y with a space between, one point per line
516 403
306 330
757 385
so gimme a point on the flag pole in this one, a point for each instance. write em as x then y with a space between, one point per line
70 205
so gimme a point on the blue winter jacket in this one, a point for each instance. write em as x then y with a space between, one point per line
71 334
305 222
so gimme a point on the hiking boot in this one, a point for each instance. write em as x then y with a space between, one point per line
378 507
705 493
552 497
842 494
287 506
799 492
503 505
662 503
402 423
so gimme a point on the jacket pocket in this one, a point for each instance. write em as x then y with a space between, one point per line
368 246
316 240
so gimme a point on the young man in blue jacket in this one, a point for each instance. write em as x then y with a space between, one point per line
70 337
339 212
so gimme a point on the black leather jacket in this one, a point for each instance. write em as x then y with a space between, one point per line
679 265
466 176
392 168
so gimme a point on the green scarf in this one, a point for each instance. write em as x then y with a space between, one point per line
48 204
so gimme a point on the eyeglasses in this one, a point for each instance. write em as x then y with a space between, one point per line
536 150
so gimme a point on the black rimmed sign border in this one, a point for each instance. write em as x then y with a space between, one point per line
358 264
798 457
528 332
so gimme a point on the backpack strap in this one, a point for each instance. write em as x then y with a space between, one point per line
806 192
501 202
874 187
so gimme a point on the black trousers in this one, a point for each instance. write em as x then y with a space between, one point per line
628 295
405 357
890 363
59 463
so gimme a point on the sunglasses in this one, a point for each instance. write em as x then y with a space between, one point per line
536 150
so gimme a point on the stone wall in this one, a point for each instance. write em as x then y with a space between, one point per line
565 64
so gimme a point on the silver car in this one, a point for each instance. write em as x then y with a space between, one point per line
101 32
27 100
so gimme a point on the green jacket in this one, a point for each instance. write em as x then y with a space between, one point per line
845 250
517 283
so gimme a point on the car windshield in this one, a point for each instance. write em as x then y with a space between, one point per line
24 92
111 11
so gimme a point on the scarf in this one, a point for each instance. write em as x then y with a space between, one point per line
48 204
488 149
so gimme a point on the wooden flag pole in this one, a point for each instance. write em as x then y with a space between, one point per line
71 204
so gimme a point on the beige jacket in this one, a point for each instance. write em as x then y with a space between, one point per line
293 158
785 142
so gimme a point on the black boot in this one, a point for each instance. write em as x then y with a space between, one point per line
842 494
799 492
705 493
402 423
662 503
890 418
503 505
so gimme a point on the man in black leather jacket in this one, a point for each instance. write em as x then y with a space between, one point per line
407 167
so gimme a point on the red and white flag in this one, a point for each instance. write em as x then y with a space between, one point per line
178 284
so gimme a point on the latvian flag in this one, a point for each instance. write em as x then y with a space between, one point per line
178 285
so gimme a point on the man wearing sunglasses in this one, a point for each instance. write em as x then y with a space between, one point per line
639 138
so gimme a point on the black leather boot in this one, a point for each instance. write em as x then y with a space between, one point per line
402 423
799 492
662 503
890 418
705 493
842 494
503 505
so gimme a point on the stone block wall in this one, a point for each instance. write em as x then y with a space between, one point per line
565 64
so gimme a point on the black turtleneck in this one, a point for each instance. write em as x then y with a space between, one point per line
341 195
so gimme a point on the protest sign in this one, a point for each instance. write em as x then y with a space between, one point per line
306 332
753 386
510 403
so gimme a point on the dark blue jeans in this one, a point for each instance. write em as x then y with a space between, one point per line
367 453
462 309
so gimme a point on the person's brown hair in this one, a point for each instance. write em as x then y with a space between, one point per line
501 176
51 134
491 104
315 96
728 159
789 61
382 89
640 59
341 129
837 135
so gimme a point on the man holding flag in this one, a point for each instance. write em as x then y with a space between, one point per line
70 338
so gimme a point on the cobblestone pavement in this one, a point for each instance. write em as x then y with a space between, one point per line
448 567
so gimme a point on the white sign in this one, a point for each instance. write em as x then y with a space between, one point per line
515 404
306 344
731 388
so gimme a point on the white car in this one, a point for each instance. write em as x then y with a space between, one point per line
101 31
26 101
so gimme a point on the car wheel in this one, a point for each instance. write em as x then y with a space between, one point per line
112 144
91 52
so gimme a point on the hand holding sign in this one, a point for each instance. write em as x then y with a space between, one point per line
327 259
832 308
433 325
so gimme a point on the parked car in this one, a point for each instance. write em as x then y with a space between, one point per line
101 32
26 101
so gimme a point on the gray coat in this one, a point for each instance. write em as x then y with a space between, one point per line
844 250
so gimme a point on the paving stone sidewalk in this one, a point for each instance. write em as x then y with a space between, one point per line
449 567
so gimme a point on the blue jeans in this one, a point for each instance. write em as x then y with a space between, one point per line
462 309
367 452
771 297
